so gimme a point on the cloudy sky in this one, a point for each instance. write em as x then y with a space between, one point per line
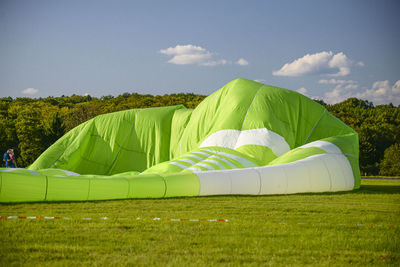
331 50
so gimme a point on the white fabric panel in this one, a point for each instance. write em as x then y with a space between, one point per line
319 179
328 147
347 172
263 137
337 170
317 173
273 180
297 177
236 182
214 183
245 181
224 138
234 139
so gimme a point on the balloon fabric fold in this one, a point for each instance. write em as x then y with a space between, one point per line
246 138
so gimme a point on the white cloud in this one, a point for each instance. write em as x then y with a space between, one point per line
396 87
191 54
260 80
183 50
187 54
382 93
334 81
343 89
215 62
29 91
342 63
242 62
324 63
302 91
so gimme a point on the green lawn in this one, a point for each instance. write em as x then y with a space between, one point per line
351 228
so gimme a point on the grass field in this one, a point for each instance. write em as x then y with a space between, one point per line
359 228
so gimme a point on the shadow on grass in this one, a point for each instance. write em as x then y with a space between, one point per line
379 189
364 189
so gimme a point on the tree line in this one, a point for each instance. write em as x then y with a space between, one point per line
31 125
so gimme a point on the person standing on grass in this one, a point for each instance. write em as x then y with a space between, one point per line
8 159
12 156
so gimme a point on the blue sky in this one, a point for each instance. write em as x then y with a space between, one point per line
329 50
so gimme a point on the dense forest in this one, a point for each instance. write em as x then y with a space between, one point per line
31 125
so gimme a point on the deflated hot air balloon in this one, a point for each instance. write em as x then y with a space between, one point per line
246 138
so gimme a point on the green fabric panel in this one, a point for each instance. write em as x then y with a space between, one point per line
146 186
224 109
297 154
51 172
148 142
71 188
328 126
17 171
179 122
349 145
151 140
164 167
91 148
182 184
337 132
272 118
62 154
260 154
106 144
18 187
284 112
108 188
127 174
183 162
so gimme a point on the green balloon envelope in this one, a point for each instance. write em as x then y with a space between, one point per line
246 138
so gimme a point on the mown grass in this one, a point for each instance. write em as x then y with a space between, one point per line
380 177
359 228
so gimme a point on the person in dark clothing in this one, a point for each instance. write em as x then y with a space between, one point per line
12 156
9 159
